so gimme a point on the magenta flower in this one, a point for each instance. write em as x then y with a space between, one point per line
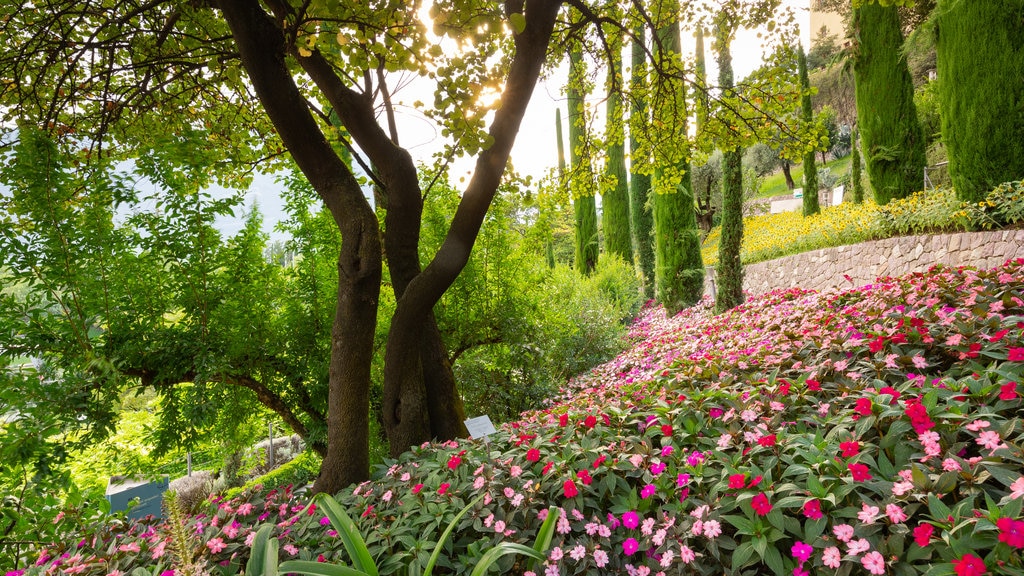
1011 532
630 546
802 552
923 534
648 491
1015 355
969 565
1008 391
812 509
569 489
631 520
859 472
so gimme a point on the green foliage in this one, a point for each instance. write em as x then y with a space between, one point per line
856 179
810 203
824 48
581 177
615 218
921 213
1002 207
640 213
894 145
929 113
980 49
729 273
298 471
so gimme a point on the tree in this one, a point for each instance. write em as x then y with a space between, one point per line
980 64
810 204
886 116
615 187
729 273
824 47
582 176
679 269
703 183
855 177
641 218
124 76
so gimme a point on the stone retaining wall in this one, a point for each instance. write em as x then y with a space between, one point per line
863 263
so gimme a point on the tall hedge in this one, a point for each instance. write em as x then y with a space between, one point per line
679 268
582 180
615 193
810 204
640 215
730 270
893 141
981 92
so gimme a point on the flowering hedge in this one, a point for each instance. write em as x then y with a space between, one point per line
875 430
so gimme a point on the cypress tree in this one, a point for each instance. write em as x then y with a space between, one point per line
980 53
703 187
550 245
679 269
582 181
855 177
807 114
730 272
641 217
892 136
615 193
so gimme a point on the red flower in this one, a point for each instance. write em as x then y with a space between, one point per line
416 489
1016 355
813 385
859 472
969 565
784 389
367 512
755 481
563 420
918 415
923 534
863 406
547 467
590 421
812 509
850 449
454 462
877 344
1008 391
666 429
737 481
443 488
569 489
767 441
760 505
1011 531
584 476
532 455
891 392
523 439
998 336
600 460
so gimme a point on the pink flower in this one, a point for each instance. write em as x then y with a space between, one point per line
812 509
990 439
802 552
686 555
831 557
895 513
843 532
873 562
867 514
712 529
760 504
923 534
969 565
630 546
216 545
1017 488
855 547
600 558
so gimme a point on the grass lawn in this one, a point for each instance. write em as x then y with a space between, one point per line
775 184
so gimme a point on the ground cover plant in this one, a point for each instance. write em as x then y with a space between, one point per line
875 430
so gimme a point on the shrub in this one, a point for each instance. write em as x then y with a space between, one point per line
300 471
922 212
1003 206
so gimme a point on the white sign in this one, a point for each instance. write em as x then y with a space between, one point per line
837 195
480 427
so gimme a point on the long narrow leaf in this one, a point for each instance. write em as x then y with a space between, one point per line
504 549
263 558
318 568
349 533
545 534
448 531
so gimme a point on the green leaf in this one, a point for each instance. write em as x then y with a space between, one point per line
504 549
263 558
545 533
429 568
774 561
349 533
742 555
939 511
743 525
318 568
518 22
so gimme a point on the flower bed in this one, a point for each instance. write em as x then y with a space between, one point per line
875 430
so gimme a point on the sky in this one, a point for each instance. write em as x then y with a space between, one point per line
535 150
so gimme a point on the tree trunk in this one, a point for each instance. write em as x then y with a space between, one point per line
262 49
788 174
730 270
810 204
642 219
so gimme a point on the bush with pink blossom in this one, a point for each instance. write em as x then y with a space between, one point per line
870 431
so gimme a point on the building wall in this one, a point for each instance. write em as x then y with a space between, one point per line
859 264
